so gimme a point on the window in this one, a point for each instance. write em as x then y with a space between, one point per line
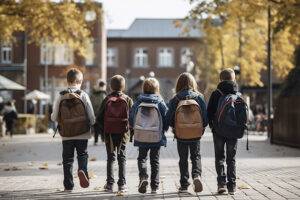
185 56
89 58
57 54
112 57
6 53
165 57
141 57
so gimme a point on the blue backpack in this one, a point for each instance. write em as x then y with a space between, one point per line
232 116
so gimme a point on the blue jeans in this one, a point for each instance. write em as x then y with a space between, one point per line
184 150
69 147
231 147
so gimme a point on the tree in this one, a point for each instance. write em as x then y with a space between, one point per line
59 22
240 34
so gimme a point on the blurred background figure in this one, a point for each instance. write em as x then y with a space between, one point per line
97 96
10 116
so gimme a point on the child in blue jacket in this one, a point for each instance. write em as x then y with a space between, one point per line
150 96
186 88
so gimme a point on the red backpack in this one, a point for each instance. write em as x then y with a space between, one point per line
116 115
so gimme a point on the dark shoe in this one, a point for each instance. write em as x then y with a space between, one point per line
122 188
83 179
154 190
68 190
221 189
231 190
183 190
108 187
198 187
143 186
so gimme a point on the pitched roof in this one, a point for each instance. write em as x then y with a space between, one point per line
157 28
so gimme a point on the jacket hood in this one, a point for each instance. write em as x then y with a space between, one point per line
228 87
184 93
150 98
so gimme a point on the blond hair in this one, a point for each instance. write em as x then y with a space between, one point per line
151 86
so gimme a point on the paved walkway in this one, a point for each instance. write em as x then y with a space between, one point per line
30 169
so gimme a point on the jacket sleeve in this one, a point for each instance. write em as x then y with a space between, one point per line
163 110
132 113
89 108
171 113
202 105
99 126
54 114
212 107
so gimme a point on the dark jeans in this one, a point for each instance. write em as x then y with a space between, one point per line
120 153
96 136
184 149
154 162
68 158
231 147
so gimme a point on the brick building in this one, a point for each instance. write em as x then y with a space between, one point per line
55 58
151 47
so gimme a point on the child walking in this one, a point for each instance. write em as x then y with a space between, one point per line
187 117
148 119
74 113
112 124
227 90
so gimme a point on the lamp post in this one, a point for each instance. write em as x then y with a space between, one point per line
269 61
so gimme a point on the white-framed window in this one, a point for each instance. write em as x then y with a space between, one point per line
89 58
141 57
56 54
185 56
112 57
165 57
6 53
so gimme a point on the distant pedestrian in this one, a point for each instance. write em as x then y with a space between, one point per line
10 116
75 115
227 114
148 118
97 96
187 117
112 124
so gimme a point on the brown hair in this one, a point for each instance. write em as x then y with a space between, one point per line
117 83
227 74
151 86
186 81
74 75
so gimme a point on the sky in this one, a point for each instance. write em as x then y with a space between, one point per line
120 14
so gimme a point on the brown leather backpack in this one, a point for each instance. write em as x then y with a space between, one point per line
188 120
72 116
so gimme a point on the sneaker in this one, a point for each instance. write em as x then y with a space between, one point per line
231 190
183 190
154 190
122 188
143 186
198 187
221 189
83 179
108 187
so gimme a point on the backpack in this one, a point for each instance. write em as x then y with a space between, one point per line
72 116
148 125
116 115
188 120
231 116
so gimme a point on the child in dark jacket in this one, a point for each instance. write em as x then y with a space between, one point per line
10 116
150 96
186 88
225 87
112 125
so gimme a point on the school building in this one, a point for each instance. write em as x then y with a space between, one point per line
50 60
151 47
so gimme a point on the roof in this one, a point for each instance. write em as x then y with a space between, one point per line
157 28
7 84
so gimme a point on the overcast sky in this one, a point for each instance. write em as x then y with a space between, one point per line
121 13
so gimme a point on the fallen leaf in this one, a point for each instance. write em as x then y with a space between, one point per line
93 159
120 194
244 186
92 174
44 166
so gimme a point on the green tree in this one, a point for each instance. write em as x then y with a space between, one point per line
59 22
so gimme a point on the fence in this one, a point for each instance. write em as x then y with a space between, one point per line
286 124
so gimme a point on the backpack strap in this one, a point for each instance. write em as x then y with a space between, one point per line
220 91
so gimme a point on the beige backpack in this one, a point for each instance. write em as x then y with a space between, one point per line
188 120
72 116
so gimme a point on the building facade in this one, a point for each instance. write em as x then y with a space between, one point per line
48 63
151 47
